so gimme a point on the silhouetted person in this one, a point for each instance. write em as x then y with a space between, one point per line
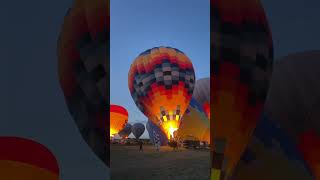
157 145
141 143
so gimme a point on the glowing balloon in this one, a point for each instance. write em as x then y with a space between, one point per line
294 103
138 129
25 159
241 65
83 68
201 94
194 123
118 118
156 135
161 82
125 132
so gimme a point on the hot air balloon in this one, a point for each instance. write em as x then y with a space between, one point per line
241 66
201 94
83 56
125 132
194 123
118 118
156 134
294 103
161 82
26 159
138 130
271 154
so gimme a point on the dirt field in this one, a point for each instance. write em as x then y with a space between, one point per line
128 163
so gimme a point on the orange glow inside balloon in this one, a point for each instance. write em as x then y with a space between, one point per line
170 127
118 119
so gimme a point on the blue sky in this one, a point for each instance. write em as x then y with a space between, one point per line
142 24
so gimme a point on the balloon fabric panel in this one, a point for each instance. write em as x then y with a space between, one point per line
272 154
25 159
241 64
83 54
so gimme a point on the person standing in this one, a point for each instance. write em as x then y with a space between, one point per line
141 143
157 145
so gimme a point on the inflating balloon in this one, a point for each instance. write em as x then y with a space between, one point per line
126 131
241 65
194 123
138 129
161 82
201 94
294 103
25 159
83 55
118 118
156 134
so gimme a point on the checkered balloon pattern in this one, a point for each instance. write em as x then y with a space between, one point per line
241 66
83 53
161 82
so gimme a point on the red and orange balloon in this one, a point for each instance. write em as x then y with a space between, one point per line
25 159
118 119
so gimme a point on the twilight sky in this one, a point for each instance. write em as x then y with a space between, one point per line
32 104
140 25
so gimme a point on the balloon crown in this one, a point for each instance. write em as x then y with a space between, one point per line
149 50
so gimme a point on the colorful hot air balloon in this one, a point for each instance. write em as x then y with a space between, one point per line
294 103
241 65
271 154
194 123
201 94
156 134
25 159
83 55
161 82
138 130
126 131
118 118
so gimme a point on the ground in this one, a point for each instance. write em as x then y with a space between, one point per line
128 163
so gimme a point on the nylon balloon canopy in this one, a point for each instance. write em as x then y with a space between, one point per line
241 66
118 118
161 82
26 159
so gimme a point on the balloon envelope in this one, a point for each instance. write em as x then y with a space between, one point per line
161 82
294 102
138 130
271 154
156 134
194 124
83 53
126 131
201 94
241 65
26 159
118 118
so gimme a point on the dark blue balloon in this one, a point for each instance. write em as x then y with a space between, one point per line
155 134
125 132
137 130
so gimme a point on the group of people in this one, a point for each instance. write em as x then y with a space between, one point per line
173 143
